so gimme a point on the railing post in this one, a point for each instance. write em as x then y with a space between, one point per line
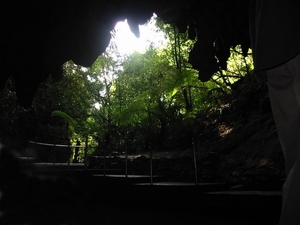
54 156
151 175
195 162
85 152
104 163
69 150
126 158
36 151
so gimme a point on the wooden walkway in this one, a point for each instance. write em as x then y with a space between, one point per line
134 199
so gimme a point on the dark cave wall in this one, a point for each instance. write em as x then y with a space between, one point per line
38 37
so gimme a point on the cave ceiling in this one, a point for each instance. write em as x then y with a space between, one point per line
39 36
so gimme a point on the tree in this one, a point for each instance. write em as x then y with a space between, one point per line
15 120
67 98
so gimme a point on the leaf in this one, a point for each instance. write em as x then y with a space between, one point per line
65 116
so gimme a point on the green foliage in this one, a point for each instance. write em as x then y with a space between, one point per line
66 98
65 116
130 101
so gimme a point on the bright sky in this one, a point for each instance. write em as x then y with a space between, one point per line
128 43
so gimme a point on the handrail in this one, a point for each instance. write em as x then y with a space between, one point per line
58 145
